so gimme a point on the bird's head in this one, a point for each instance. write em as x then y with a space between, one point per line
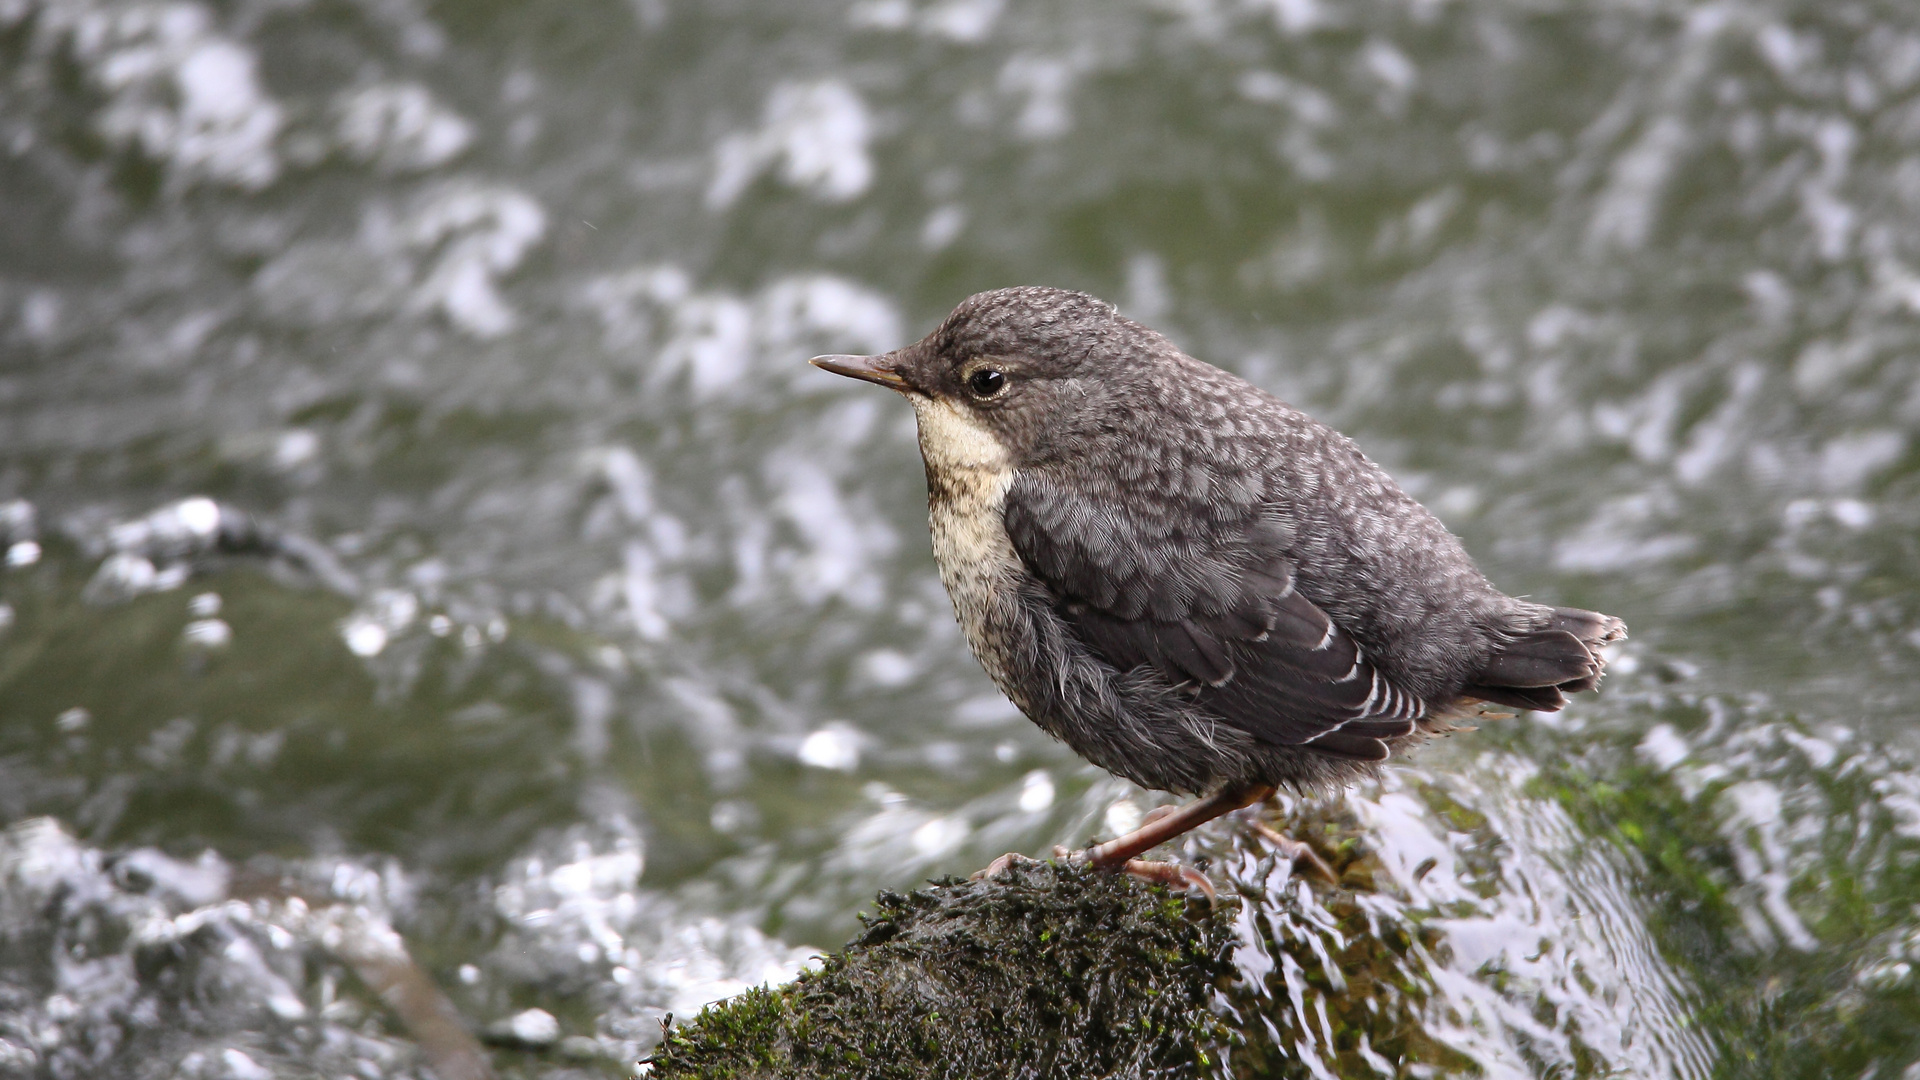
1012 376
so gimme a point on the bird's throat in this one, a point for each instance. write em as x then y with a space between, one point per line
953 440
968 473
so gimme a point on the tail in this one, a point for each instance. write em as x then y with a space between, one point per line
1538 670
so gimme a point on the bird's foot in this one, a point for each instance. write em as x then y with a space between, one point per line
1296 851
1172 875
999 866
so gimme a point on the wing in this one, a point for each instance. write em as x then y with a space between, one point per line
1214 609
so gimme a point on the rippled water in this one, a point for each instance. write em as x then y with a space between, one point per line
412 486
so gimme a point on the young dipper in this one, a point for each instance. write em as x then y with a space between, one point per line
1188 581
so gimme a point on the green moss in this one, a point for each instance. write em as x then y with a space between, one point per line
1047 971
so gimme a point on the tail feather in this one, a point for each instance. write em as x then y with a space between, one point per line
1543 658
1537 670
1535 698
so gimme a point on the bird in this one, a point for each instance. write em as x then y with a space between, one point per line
1188 581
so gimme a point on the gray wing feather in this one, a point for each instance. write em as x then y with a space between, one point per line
1212 608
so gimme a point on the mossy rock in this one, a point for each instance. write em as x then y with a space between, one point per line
1737 901
1049 970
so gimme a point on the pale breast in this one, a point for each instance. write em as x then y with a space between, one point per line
968 473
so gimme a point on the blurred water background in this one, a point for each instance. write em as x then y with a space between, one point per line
411 485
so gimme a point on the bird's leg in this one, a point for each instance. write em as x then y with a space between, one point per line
1296 851
1162 828
1162 825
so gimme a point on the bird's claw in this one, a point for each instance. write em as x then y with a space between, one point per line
1170 874
1296 851
999 866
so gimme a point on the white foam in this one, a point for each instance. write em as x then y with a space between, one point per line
1122 817
835 747
1292 17
1625 214
839 539
176 88
1389 65
23 553
365 638
815 132
888 667
248 965
1754 831
943 226
469 237
576 914
968 22
400 128
241 1067
938 837
1848 461
1663 747
1045 84
642 589
717 341
208 634
1036 792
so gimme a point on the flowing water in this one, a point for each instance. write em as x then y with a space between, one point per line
411 486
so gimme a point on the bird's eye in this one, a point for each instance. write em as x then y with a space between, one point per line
986 382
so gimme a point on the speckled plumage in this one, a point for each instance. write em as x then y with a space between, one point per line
1187 580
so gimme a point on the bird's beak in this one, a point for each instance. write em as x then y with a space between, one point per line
873 369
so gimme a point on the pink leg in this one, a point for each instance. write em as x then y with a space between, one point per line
1162 828
1295 851
1166 873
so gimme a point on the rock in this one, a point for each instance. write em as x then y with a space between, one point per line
1049 970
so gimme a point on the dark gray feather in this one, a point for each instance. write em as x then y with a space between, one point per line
1220 616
